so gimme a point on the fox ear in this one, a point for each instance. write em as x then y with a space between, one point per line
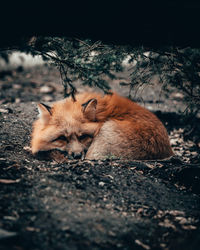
89 109
44 112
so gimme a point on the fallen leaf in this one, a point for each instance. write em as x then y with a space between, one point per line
32 229
9 181
189 227
6 234
142 245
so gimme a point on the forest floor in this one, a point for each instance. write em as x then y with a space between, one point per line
108 204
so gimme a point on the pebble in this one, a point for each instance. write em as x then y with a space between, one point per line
173 141
101 183
46 89
47 98
17 100
27 148
177 95
5 111
16 86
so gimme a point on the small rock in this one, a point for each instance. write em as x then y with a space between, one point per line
173 141
177 95
27 148
111 233
16 86
6 111
17 100
101 183
46 89
47 98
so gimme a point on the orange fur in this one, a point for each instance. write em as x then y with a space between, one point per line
104 126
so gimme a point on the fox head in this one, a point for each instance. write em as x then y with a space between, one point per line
68 125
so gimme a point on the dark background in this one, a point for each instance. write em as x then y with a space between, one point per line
148 23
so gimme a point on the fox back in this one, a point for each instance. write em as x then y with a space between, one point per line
97 127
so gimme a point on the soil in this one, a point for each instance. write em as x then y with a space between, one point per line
109 204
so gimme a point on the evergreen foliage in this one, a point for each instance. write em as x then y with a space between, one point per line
80 59
91 61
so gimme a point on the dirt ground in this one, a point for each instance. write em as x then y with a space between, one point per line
108 204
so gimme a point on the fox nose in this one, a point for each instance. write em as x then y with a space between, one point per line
76 155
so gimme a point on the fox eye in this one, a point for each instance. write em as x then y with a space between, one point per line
84 136
62 138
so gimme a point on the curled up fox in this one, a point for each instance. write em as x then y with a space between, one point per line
98 126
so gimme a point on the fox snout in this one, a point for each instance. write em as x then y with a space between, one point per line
79 155
75 149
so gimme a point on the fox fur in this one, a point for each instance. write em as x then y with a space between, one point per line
100 126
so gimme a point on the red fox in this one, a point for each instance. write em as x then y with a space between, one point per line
98 126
